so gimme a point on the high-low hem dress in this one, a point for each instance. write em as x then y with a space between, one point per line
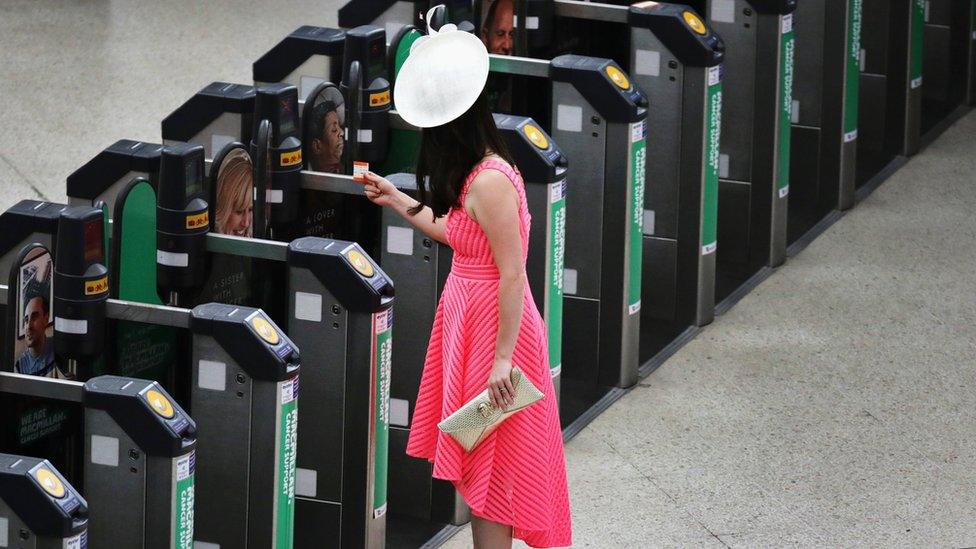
517 475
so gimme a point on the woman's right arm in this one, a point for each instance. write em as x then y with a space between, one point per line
383 193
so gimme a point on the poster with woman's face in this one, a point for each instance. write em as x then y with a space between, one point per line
234 196
325 131
34 334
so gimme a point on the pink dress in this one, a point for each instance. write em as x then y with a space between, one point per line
517 475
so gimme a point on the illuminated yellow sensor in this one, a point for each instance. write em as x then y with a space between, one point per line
265 330
695 23
360 263
197 220
379 99
160 403
97 286
290 158
618 77
536 136
51 483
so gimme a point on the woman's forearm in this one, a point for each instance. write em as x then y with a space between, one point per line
424 220
511 292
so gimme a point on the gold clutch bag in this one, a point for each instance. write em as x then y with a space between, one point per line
477 418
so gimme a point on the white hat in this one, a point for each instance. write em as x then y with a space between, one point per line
442 77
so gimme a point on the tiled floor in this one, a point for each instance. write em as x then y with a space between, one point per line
834 406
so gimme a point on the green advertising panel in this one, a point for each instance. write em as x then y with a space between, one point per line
917 43
183 500
382 353
285 455
713 134
787 44
852 84
638 161
142 350
557 260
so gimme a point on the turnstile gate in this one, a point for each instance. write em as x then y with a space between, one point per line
335 304
677 61
890 106
124 441
754 158
230 365
39 507
947 67
823 165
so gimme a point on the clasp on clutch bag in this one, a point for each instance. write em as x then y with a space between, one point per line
485 409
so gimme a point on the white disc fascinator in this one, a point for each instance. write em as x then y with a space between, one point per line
442 78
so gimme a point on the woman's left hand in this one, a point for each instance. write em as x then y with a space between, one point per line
500 388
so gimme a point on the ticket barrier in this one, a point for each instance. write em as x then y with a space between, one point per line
824 138
675 59
393 15
239 367
305 58
336 305
39 507
890 105
754 158
110 436
949 60
222 110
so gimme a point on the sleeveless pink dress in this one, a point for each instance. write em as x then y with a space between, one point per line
517 475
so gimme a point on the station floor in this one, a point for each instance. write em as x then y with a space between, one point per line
834 406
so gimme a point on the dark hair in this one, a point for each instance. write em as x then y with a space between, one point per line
490 16
450 151
316 126
37 294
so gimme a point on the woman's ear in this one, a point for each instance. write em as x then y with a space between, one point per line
316 145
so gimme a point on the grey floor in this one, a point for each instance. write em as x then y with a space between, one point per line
834 406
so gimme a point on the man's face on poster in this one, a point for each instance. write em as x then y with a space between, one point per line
498 33
328 146
37 321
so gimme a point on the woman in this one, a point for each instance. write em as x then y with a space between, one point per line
473 199
234 197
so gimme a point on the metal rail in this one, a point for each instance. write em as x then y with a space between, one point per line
42 387
592 11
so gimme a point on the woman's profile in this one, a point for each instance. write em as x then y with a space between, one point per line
472 198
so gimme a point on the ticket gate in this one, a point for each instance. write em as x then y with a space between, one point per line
336 305
230 366
304 59
676 60
948 61
222 110
890 105
39 507
823 168
754 158
110 435
393 15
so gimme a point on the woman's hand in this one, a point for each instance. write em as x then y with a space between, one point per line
500 388
380 191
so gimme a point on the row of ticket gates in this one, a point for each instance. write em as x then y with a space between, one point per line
185 277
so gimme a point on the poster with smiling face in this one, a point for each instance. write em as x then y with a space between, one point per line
34 334
233 198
